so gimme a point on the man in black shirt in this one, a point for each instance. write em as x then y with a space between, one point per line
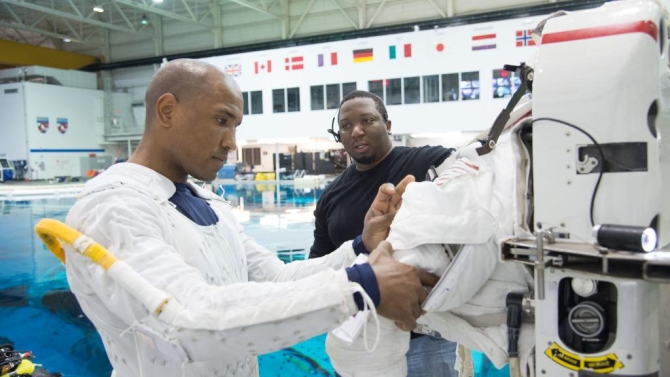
363 131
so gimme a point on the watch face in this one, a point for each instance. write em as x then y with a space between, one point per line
584 287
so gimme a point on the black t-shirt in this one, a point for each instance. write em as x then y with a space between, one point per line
341 209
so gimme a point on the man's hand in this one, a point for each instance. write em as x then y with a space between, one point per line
382 211
400 287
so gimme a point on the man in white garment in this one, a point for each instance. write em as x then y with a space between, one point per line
239 299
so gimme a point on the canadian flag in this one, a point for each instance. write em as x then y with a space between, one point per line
263 67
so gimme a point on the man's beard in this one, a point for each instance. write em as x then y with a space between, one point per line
364 160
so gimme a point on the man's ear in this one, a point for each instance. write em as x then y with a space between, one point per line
165 109
388 126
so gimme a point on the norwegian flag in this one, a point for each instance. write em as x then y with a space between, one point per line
234 69
265 66
523 38
293 63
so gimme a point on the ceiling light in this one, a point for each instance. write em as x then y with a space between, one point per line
157 1
98 9
144 20
67 40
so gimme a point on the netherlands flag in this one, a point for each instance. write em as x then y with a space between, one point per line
483 42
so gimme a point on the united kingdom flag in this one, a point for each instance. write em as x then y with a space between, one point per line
234 69
523 38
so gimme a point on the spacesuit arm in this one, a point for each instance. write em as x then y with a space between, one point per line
263 265
206 320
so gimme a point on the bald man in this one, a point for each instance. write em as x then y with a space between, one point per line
239 300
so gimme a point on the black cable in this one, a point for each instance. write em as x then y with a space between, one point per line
602 158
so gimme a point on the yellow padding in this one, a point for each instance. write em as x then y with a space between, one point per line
25 368
53 231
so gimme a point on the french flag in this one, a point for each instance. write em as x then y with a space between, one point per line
323 61
483 42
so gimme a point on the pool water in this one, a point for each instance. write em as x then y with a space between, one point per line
38 313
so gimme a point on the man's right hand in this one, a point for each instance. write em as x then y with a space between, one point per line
400 287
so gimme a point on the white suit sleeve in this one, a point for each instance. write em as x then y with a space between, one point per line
263 265
251 317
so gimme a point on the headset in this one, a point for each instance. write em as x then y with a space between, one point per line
331 131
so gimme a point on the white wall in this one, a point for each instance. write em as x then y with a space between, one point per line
416 118
55 153
13 139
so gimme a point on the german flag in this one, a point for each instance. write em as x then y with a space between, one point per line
363 56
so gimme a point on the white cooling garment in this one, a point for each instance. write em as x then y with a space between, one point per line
236 299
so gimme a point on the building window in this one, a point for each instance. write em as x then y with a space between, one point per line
245 97
278 102
293 99
257 102
470 85
316 94
505 83
332 96
347 88
393 91
412 90
251 156
431 88
450 87
376 87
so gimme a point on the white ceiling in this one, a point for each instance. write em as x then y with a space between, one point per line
181 26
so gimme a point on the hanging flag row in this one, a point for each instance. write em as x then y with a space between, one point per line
479 42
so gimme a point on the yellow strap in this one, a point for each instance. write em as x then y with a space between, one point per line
53 231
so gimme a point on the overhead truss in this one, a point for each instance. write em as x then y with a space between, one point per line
76 21
58 21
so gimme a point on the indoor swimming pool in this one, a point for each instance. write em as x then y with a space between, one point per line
38 313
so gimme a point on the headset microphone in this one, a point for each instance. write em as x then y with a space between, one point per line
331 131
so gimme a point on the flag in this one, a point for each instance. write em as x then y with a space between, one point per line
234 69
407 51
333 59
437 44
293 63
363 55
265 66
483 42
523 38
